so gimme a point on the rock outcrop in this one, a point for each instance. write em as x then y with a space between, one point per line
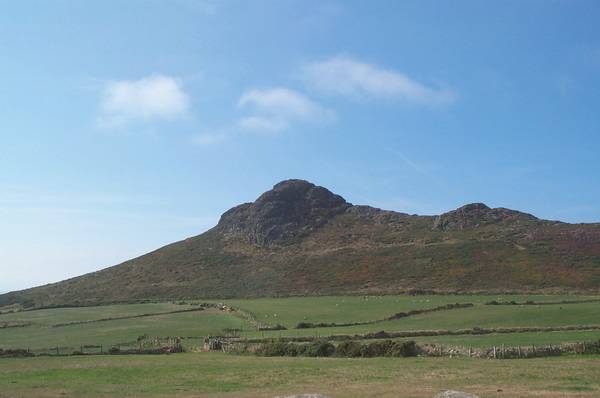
476 214
291 209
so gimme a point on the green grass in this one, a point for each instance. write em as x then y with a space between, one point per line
219 375
290 311
342 309
63 315
108 333
478 316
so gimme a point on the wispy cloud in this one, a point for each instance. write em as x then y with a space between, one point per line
149 98
349 77
274 110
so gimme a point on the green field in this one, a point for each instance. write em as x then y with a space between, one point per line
221 375
463 318
41 334
212 374
344 309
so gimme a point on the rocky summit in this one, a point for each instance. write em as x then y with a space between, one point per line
292 209
301 239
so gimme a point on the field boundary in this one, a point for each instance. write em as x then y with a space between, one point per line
59 325
531 302
427 333
398 315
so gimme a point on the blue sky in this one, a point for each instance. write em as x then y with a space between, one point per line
129 125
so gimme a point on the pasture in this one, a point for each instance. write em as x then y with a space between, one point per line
219 375
70 328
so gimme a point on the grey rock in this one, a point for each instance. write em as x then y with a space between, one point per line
292 209
454 394
476 214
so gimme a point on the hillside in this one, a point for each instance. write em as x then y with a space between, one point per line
301 239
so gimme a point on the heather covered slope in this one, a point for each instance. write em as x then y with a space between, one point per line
299 239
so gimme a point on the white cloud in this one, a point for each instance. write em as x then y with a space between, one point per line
349 77
261 123
153 97
276 108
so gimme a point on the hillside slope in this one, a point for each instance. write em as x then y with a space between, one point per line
301 239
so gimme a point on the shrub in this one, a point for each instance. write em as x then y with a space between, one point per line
273 327
349 349
114 350
305 325
278 349
377 348
318 348
404 349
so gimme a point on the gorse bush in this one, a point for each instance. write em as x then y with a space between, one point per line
377 349
346 349
403 349
318 348
278 349
349 349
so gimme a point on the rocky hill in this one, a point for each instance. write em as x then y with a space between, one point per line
301 239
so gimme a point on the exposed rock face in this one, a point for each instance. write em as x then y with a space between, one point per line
475 214
291 209
454 394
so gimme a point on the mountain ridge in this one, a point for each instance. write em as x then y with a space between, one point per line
301 239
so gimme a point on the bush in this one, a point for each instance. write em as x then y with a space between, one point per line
305 325
377 349
114 350
278 349
349 349
404 349
273 327
318 348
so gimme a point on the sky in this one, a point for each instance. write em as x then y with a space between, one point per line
127 125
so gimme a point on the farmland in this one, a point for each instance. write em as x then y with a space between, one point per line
68 329
220 375
53 335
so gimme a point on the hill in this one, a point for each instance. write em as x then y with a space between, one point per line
301 239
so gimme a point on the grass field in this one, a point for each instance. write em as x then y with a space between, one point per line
343 309
41 334
479 316
220 375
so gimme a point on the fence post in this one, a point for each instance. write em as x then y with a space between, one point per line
503 352
519 351
101 350
57 352
494 352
